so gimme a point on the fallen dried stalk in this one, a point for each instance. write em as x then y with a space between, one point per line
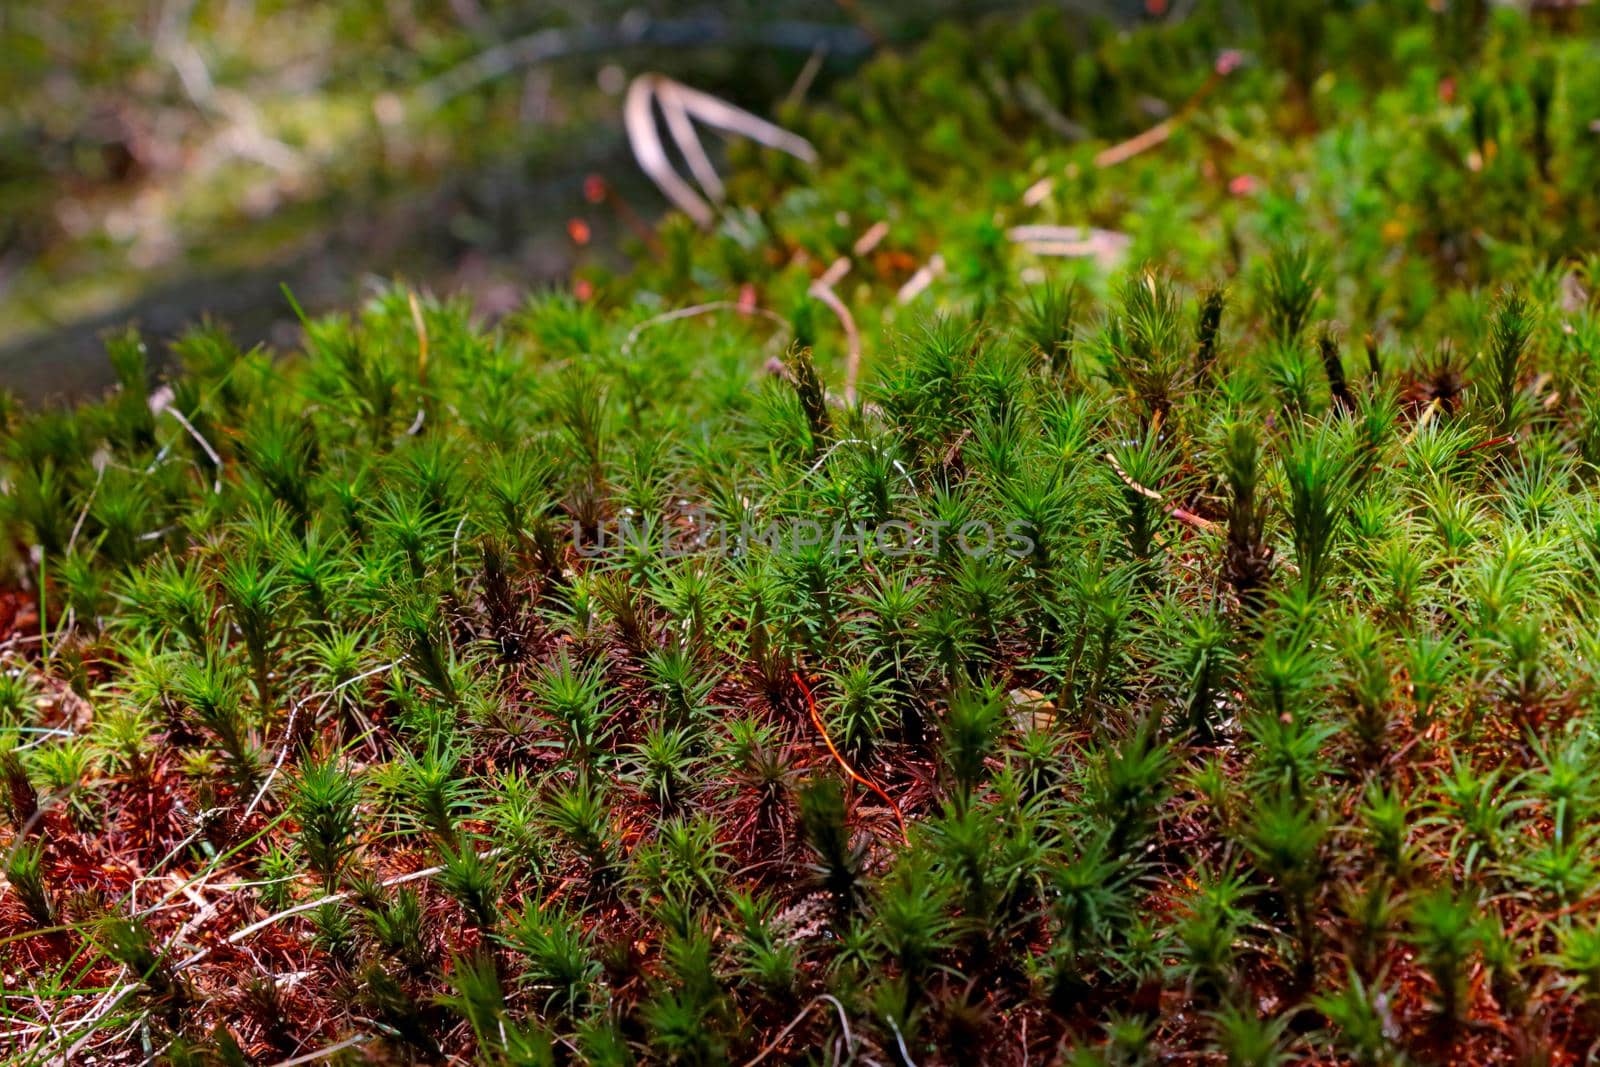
421 326
1426 417
107 1004
77 527
852 336
1493 442
1035 194
835 272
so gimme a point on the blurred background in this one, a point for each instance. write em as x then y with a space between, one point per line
161 160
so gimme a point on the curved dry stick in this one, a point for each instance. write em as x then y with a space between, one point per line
852 336
816 720
900 1041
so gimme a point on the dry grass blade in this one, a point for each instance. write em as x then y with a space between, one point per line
324 1053
288 730
871 239
678 314
1106 247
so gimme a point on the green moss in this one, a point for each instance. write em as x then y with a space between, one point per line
1186 649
